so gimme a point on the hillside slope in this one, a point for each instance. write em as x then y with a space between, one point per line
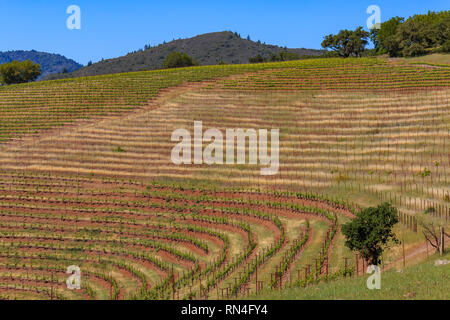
50 63
422 281
87 177
208 49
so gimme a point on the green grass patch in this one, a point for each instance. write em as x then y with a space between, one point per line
422 281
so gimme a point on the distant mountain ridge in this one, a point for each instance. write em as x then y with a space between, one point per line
207 49
50 63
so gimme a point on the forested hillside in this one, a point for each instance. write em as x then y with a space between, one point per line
50 63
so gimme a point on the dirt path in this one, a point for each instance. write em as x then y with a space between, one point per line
418 251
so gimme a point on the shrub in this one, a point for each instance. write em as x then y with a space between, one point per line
430 210
119 149
257 59
446 47
413 50
285 56
19 72
179 60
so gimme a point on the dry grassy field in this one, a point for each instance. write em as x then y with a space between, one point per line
86 176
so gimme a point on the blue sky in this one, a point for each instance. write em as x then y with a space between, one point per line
112 28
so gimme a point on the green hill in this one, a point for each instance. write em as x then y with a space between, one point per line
207 49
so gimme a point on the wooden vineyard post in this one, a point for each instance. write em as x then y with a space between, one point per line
442 247
271 281
403 251
363 266
244 288
356 264
281 279
256 274
173 284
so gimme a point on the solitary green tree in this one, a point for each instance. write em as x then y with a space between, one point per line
371 231
19 72
347 43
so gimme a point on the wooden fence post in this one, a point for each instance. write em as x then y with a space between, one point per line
256 274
